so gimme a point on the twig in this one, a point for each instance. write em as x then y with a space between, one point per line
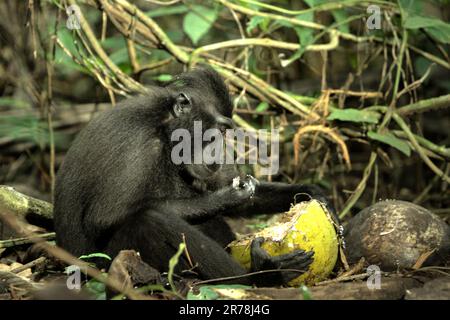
20 241
186 251
392 105
416 83
328 131
164 3
371 95
361 186
266 42
343 279
246 275
30 264
242 33
418 148
440 150
425 105
50 68
430 56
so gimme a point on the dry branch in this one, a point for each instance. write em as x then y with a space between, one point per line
23 205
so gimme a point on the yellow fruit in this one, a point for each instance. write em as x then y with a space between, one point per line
307 226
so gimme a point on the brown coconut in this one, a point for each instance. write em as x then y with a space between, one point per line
394 234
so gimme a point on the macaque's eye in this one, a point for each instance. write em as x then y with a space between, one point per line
182 105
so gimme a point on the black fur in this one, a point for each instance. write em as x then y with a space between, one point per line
118 188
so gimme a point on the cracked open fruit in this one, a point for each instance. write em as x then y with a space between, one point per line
306 226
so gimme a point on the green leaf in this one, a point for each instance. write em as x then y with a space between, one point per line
114 43
163 77
97 288
67 39
305 34
173 263
257 21
314 3
167 11
11 102
411 6
440 34
175 36
120 56
354 115
263 106
306 293
95 255
436 28
421 66
30 128
64 63
389 139
340 16
209 292
198 22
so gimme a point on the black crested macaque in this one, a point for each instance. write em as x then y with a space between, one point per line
119 189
